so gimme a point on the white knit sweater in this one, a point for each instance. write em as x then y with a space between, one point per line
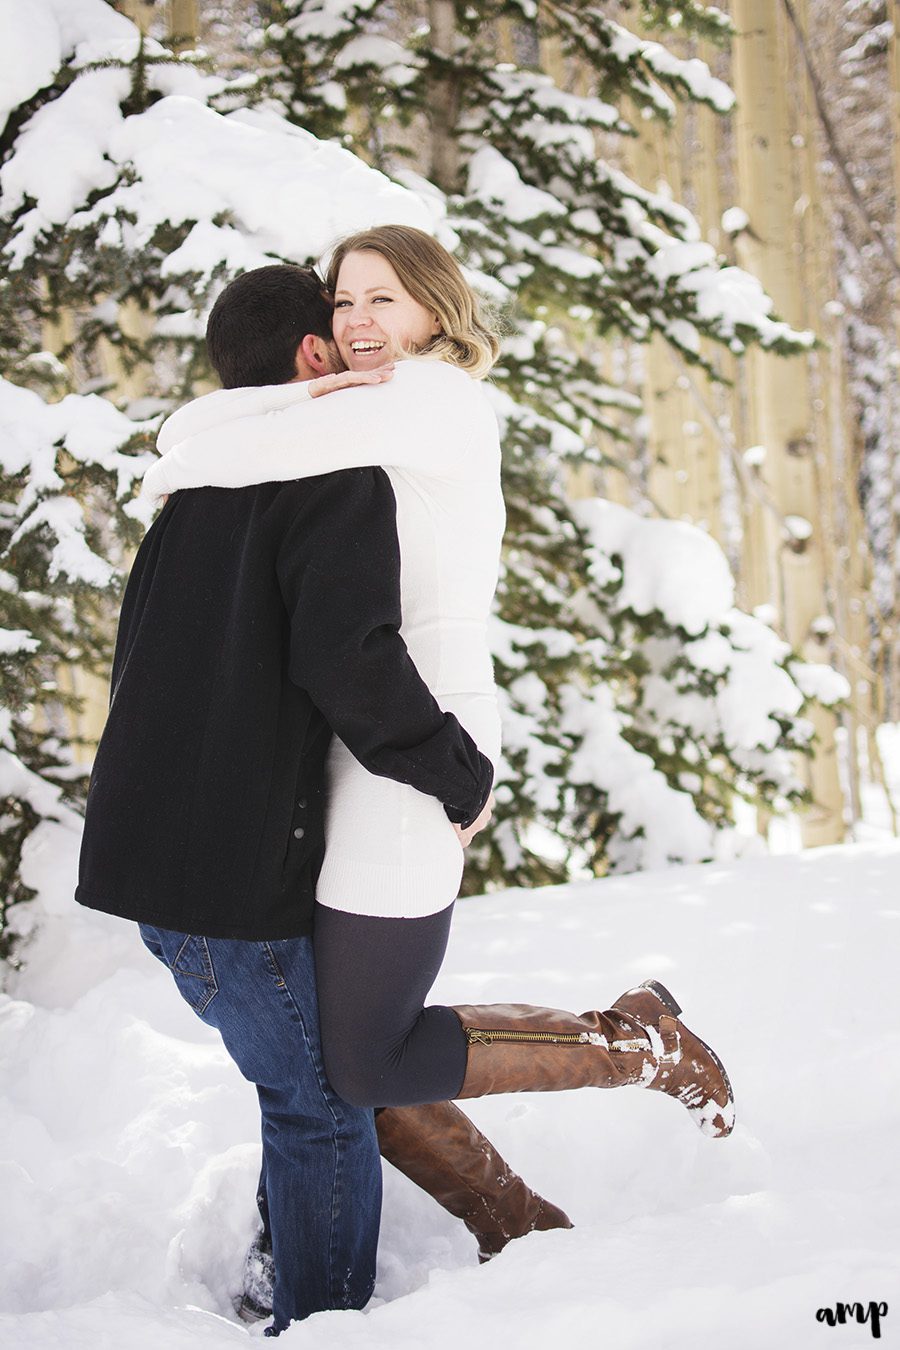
390 850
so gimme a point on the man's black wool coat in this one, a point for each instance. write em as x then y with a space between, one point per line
254 622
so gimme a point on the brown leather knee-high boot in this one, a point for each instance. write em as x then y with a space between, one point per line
439 1148
639 1041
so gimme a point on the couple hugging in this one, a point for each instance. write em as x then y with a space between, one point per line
301 742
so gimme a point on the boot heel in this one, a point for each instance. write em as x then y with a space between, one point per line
663 995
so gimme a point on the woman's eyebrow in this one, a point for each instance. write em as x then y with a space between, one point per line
371 290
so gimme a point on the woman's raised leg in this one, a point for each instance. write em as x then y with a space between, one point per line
383 1047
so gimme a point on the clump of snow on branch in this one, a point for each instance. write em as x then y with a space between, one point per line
245 187
656 823
40 36
90 431
717 689
668 566
282 192
68 471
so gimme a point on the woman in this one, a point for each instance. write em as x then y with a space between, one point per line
393 863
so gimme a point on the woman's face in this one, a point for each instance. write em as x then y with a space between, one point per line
375 317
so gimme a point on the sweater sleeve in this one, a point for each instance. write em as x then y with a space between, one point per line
339 573
425 419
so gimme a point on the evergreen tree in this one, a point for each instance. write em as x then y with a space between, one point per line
66 474
68 462
81 236
576 253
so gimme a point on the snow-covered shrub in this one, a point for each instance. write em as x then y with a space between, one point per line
67 474
630 730
709 700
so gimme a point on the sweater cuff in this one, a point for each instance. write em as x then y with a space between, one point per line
465 815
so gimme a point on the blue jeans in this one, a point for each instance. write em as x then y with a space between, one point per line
321 1163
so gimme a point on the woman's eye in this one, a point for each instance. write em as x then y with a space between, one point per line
387 298
339 304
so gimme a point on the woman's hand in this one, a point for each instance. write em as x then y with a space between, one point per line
466 836
347 379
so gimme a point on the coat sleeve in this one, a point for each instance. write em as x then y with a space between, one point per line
428 419
339 573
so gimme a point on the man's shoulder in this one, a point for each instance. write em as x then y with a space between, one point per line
276 506
338 483
292 491
344 495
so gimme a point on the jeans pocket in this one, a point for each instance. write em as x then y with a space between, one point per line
192 970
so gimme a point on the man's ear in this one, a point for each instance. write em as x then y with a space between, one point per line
314 357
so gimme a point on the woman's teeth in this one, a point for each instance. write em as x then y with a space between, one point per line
366 346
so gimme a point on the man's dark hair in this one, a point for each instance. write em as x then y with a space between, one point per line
259 321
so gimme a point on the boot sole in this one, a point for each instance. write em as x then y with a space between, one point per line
674 1007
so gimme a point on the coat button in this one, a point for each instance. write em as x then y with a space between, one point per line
298 834
302 803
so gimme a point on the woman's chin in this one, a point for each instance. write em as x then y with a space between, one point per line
368 360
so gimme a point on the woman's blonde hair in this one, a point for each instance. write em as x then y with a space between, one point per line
433 278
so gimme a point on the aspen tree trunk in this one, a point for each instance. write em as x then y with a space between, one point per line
444 99
725 404
695 153
127 384
623 478
506 42
891 633
841 527
85 726
779 386
582 481
184 24
131 319
665 403
721 404
684 478
141 12
551 53
618 479
58 334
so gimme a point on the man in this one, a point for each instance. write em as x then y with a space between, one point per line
255 623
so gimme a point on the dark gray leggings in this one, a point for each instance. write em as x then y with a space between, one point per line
381 1046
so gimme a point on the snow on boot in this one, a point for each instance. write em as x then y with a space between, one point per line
688 1069
517 1047
255 1304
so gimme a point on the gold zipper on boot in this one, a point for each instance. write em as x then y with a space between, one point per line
480 1036
477 1036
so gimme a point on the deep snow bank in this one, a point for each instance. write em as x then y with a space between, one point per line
130 1154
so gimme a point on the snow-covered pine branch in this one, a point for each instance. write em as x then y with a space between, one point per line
631 729
67 475
108 199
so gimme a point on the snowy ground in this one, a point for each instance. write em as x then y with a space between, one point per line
130 1153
